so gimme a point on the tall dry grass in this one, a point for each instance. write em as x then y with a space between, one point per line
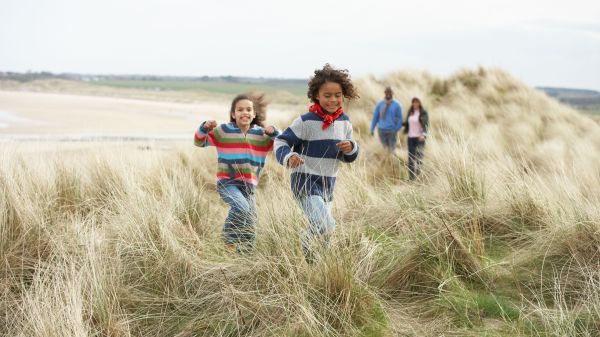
499 237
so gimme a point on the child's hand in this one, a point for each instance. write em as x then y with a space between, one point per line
209 125
345 146
295 161
269 130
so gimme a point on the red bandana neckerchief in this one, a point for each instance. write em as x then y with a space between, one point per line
327 118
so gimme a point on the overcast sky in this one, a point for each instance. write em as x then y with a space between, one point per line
552 43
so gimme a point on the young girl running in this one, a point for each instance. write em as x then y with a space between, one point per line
314 145
242 146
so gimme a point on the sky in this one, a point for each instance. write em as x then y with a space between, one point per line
544 43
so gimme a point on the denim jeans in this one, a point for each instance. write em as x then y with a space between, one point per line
240 224
321 223
415 156
388 139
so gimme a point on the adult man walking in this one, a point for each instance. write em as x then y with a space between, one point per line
388 115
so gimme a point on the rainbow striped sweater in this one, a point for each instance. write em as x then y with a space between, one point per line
241 156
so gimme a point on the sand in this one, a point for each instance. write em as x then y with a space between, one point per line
51 116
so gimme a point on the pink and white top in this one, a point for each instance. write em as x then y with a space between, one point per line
415 130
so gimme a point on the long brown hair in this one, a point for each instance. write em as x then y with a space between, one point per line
411 110
259 104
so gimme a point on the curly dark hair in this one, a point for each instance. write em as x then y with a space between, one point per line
259 104
330 74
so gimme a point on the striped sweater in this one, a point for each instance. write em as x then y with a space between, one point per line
316 146
240 156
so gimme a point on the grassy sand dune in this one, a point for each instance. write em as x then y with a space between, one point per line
500 237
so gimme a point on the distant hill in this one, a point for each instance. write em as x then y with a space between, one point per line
578 98
45 75
582 99
218 84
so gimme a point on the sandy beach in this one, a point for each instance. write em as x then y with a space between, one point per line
26 116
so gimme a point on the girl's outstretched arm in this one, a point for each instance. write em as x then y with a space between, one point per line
272 131
204 136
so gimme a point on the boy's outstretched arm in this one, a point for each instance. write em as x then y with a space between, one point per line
204 135
291 136
349 156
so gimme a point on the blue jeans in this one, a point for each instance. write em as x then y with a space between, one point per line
388 139
240 224
321 222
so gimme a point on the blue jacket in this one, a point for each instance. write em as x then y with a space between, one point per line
393 117
307 138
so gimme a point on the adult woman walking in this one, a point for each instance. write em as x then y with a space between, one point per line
416 127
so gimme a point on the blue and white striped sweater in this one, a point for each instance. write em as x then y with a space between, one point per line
306 137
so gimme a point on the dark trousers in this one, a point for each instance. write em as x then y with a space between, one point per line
415 157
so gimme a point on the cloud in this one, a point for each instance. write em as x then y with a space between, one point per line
589 29
290 39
